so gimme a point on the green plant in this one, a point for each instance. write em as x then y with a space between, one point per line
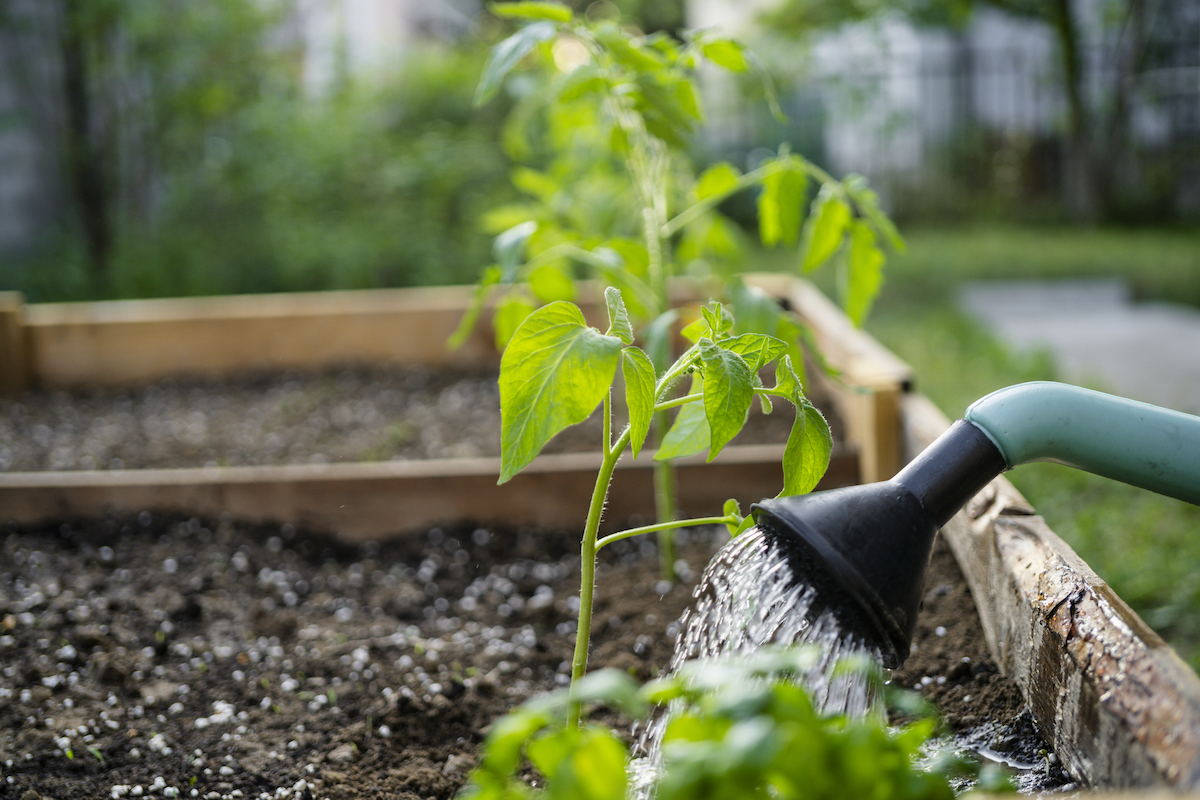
735 728
556 370
617 198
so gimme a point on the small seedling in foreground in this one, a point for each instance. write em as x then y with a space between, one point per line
737 728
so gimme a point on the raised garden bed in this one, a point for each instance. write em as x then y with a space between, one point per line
125 344
240 509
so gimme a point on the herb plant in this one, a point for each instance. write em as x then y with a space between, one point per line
737 728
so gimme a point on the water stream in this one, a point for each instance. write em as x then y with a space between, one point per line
763 588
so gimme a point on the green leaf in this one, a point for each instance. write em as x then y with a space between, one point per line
597 768
695 329
618 317
548 283
721 178
508 54
718 319
780 206
550 751
502 750
757 349
638 372
553 374
725 53
824 229
808 450
733 509
684 92
612 687
629 52
579 82
510 313
532 182
728 393
865 273
868 203
532 10
509 247
689 434
786 379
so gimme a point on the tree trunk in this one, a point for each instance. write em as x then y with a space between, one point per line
84 156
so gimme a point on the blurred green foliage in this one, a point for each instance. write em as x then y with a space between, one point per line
196 162
374 186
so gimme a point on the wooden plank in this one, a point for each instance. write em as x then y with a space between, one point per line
129 342
870 383
375 500
13 361
1120 708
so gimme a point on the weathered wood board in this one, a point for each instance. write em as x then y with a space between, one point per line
1120 708
360 502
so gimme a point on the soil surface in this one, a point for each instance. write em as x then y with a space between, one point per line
146 655
357 414
206 658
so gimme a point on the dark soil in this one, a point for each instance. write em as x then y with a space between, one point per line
176 657
225 660
355 414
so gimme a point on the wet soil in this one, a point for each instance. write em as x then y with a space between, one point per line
146 655
180 657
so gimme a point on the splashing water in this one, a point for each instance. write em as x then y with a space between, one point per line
764 588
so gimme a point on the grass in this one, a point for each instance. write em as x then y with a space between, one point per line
1147 547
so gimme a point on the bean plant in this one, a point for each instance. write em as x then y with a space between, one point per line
608 115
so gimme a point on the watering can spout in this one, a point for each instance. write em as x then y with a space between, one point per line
875 540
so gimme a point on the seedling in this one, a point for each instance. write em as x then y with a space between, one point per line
557 369
737 727
619 201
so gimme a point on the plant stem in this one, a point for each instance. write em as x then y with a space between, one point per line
678 401
587 561
692 212
683 523
664 503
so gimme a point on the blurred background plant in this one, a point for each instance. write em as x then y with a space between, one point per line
194 155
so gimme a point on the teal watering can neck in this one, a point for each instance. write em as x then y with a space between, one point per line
1136 443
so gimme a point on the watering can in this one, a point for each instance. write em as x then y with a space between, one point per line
875 540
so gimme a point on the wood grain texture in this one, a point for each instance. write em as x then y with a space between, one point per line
14 376
360 502
1120 708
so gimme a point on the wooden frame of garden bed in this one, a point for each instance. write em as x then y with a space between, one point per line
130 342
1120 707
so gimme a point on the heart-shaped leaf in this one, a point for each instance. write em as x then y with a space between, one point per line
553 374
